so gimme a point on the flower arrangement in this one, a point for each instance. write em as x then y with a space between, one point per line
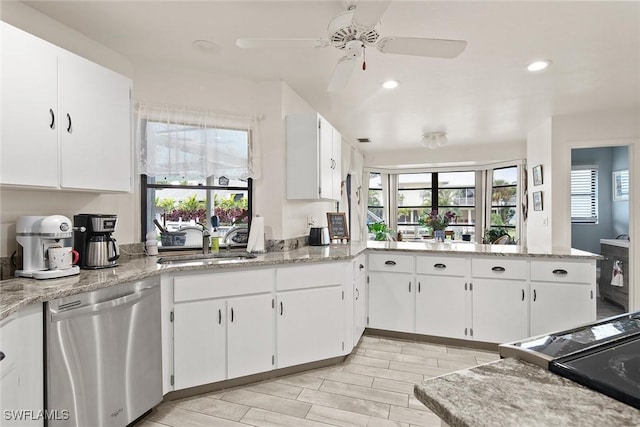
437 222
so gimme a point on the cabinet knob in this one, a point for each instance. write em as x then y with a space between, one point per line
361 267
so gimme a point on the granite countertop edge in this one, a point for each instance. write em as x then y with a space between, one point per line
19 292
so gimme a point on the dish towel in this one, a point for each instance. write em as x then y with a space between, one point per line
617 277
255 243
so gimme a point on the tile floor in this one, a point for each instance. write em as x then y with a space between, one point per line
372 387
605 309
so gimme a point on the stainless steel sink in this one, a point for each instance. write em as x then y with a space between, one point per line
206 259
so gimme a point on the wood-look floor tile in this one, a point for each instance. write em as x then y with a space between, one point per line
429 355
302 380
382 396
263 418
455 365
381 347
381 422
215 407
425 370
276 388
414 417
337 417
270 403
393 385
407 358
416 404
424 347
346 403
346 377
147 423
174 416
368 361
384 373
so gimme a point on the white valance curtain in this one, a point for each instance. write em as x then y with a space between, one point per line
189 143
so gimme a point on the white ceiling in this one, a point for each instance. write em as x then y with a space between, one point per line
483 96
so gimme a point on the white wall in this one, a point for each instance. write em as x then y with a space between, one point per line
539 152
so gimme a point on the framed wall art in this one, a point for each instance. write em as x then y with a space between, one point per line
620 185
537 175
537 201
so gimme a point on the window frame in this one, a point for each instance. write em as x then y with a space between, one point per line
593 196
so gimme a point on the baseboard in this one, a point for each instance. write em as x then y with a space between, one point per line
452 342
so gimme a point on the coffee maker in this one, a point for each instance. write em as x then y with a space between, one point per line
35 235
93 241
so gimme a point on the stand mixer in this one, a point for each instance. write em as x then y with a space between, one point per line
35 235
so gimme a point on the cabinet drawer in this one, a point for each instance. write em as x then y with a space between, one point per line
391 262
222 285
563 271
441 266
311 276
499 268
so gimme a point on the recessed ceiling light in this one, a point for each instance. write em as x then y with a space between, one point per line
390 84
538 65
205 46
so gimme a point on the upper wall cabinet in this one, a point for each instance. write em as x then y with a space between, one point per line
313 158
66 121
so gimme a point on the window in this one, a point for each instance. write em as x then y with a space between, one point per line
584 194
414 199
504 200
375 204
456 193
188 200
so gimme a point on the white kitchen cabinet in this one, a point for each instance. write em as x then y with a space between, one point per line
21 367
66 116
392 301
250 335
313 158
499 310
223 326
442 306
562 295
359 297
199 343
94 126
310 325
30 117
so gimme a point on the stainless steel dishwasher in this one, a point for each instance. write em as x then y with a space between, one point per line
104 357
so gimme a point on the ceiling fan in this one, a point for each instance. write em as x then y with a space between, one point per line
353 31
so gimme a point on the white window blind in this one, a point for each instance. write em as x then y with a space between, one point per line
584 194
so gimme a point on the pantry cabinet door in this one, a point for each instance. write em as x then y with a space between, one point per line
95 121
29 108
251 335
199 343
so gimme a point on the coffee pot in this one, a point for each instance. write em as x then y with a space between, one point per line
94 242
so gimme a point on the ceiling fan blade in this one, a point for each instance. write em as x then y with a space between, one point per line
342 73
248 43
368 13
421 47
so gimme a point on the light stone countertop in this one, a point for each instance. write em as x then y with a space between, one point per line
510 392
19 292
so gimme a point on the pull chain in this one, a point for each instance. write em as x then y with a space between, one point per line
364 59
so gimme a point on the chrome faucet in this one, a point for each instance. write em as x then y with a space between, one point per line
206 239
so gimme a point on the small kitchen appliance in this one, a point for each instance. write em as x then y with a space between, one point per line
319 236
35 235
93 241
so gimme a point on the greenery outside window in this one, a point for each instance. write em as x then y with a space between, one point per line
375 199
504 200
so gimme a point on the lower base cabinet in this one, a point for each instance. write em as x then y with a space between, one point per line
500 310
441 306
310 325
558 306
391 301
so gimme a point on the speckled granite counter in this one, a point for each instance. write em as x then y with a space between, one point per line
510 392
19 292
464 248
16 293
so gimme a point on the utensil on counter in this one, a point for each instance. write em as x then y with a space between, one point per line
160 227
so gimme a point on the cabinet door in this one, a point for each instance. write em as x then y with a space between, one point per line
391 301
336 170
29 107
326 160
441 306
310 325
359 299
499 310
199 343
558 306
95 126
250 335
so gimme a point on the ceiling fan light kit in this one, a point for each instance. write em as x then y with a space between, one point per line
356 29
434 140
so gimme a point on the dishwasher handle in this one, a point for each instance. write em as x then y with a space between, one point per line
127 299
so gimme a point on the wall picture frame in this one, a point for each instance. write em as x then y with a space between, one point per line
620 185
338 228
537 175
537 201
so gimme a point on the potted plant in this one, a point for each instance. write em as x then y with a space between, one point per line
437 223
493 234
380 231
